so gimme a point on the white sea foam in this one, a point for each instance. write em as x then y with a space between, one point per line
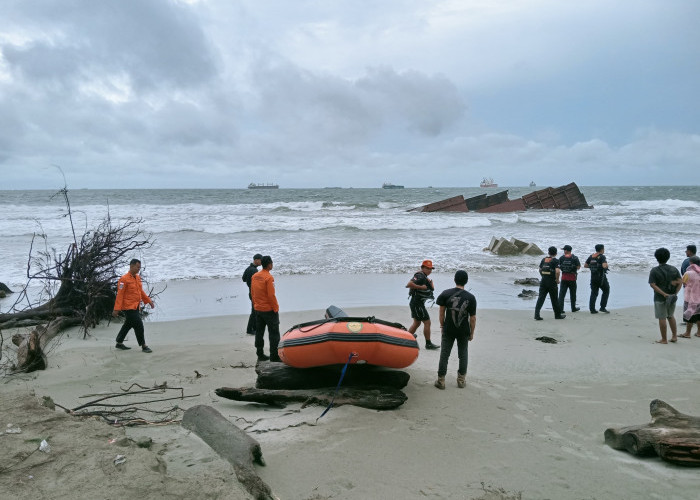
214 233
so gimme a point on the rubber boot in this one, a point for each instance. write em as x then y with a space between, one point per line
461 381
440 383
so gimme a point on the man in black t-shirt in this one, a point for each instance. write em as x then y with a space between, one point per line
457 322
247 276
549 279
666 282
598 265
421 289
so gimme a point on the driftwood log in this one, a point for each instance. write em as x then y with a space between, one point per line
230 443
31 347
281 376
672 435
375 398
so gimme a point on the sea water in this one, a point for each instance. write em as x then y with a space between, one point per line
213 233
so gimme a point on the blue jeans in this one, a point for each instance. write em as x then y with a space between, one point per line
446 349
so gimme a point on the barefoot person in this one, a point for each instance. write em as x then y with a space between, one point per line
420 288
691 282
666 282
457 322
130 294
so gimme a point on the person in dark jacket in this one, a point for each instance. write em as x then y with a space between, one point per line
569 266
598 265
247 276
549 273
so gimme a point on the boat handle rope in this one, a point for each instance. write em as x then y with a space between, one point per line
342 374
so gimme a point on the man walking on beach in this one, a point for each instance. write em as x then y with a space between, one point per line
569 266
130 294
666 282
420 289
247 275
549 272
457 322
599 279
262 289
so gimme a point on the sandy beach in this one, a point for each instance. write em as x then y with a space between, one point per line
529 424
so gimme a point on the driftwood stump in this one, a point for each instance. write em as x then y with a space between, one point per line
30 347
230 443
375 398
672 435
281 376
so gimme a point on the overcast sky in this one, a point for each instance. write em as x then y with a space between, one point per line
220 93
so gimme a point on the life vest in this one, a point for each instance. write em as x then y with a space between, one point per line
594 264
566 264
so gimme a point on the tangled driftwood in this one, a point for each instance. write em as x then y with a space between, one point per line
672 435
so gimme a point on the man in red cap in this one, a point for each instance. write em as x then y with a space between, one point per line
420 289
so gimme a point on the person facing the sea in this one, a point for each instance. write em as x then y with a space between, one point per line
130 294
262 289
666 281
457 322
690 251
691 294
247 275
420 289
598 265
549 272
569 265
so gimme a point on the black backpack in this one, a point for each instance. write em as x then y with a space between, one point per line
547 268
457 306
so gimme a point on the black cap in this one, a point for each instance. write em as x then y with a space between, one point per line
566 248
257 256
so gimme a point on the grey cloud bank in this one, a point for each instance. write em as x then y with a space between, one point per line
204 94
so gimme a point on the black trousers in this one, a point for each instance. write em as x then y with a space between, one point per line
132 320
271 319
563 287
252 322
599 284
548 287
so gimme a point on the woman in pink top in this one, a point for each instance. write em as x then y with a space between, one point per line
691 282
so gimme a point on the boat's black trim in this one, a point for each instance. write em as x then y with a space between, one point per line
348 337
347 319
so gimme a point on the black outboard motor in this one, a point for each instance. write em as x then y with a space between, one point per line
335 312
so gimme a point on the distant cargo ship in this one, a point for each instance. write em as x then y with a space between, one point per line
487 182
266 185
389 185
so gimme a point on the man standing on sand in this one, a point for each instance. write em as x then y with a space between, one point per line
666 282
457 322
599 279
262 289
130 294
247 275
420 289
549 272
569 266
690 251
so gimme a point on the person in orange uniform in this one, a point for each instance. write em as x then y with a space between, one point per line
130 294
262 290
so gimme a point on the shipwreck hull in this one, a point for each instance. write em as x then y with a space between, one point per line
567 197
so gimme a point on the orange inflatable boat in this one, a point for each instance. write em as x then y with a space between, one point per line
335 340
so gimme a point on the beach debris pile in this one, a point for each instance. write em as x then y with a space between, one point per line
513 246
672 435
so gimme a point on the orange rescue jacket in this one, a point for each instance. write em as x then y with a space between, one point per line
262 290
130 293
